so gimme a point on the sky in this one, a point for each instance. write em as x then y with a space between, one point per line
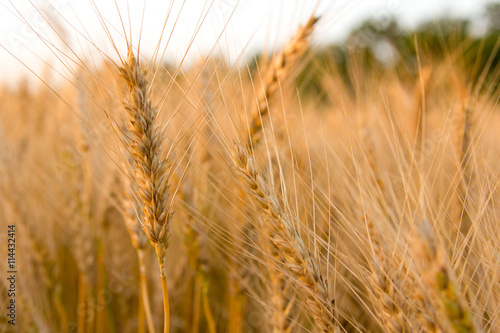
48 33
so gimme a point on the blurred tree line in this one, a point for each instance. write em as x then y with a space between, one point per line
385 45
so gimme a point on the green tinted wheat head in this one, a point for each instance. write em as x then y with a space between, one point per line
438 276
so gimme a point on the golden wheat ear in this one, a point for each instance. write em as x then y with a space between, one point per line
280 67
281 228
149 170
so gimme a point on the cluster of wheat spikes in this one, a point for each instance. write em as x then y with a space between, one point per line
367 204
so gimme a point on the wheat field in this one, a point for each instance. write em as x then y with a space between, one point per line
285 194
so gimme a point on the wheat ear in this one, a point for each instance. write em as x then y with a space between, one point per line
150 171
280 65
281 229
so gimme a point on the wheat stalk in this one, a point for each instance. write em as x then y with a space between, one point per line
281 229
150 171
278 70
139 241
192 242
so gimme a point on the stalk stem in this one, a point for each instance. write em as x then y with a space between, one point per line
141 321
208 314
82 303
144 292
196 304
166 306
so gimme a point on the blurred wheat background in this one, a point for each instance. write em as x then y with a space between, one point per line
311 188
